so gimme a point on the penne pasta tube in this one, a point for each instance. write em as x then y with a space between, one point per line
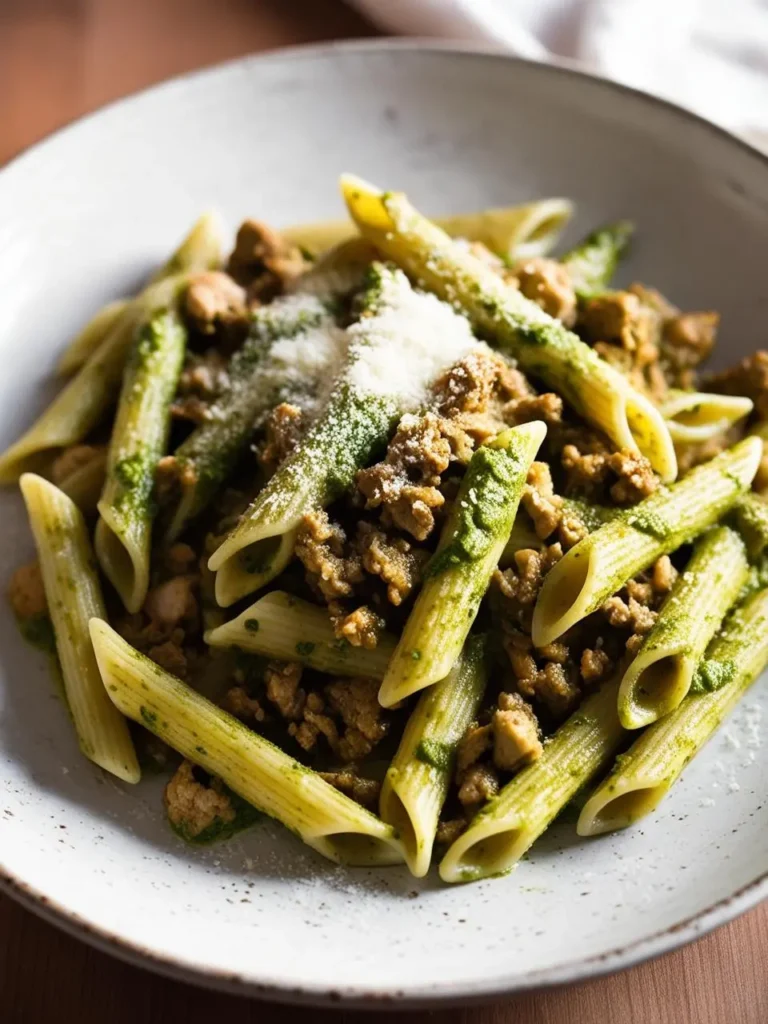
294 346
695 416
592 263
750 516
660 676
249 765
513 820
74 596
602 563
645 773
139 438
85 343
513 232
400 344
87 397
286 628
457 576
542 345
417 781
199 250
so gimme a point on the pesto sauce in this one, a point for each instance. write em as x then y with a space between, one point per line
38 632
482 508
712 675
246 816
436 754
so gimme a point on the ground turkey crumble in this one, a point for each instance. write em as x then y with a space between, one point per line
196 801
472 402
339 569
554 677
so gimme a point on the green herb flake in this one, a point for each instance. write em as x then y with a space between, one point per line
150 717
252 625
435 753
304 648
712 675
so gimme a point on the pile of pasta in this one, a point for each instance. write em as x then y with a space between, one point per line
423 300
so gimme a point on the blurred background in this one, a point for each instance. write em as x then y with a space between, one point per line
62 58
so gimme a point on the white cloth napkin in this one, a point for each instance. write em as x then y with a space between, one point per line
708 55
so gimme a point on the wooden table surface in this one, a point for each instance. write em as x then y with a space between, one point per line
59 59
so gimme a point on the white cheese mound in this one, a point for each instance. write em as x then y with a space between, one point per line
405 346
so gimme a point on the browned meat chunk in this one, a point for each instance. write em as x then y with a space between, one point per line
172 602
688 339
238 703
320 546
171 656
356 701
406 482
363 791
202 380
262 261
26 591
595 665
540 501
282 680
619 318
749 378
194 806
282 431
315 724
448 831
473 744
547 407
515 733
361 628
215 301
73 458
479 784
547 283
394 560
522 583
627 475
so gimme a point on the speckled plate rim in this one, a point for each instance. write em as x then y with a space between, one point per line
198 972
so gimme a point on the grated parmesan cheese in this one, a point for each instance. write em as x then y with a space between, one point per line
405 346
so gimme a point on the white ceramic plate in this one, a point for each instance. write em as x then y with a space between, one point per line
83 217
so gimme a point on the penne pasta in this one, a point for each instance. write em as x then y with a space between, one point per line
417 781
750 517
286 628
85 400
541 345
695 416
511 822
139 438
199 250
592 263
74 596
645 773
513 232
457 577
293 347
249 765
393 355
85 343
602 563
660 676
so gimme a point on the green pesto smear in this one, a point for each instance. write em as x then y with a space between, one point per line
712 675
246 816
483 508
435 753
38 632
